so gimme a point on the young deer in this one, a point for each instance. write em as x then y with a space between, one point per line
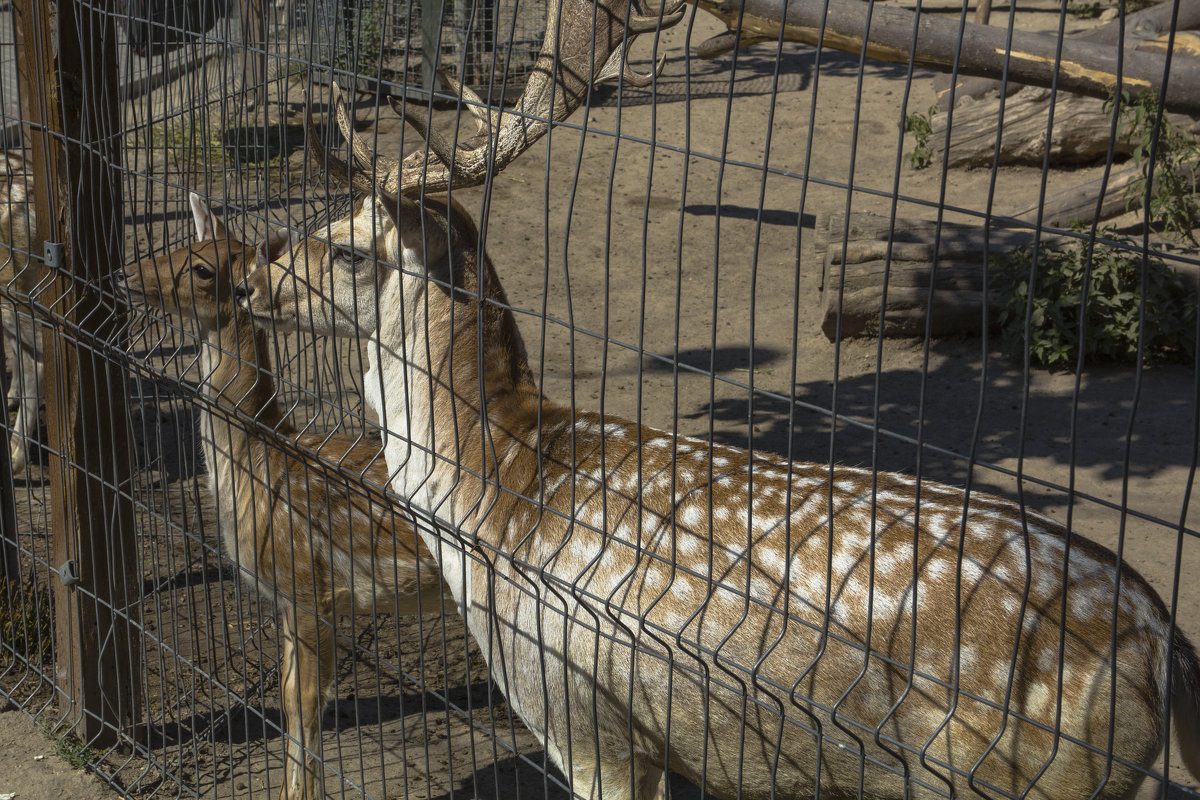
319 543
764 628
20 275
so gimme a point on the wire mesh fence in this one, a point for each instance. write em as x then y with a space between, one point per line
805 418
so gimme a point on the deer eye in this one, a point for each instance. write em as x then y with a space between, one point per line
202 272
354 259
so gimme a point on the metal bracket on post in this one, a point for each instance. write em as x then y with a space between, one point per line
52 254
67 574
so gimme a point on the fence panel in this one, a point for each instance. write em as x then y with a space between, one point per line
748 451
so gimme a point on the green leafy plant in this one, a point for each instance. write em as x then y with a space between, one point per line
287 68
1085 10
365 45
75 752
67 745
1113 323
921 127
1175 199
184 142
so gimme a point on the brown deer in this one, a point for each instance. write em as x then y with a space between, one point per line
296 511
766 628
20 279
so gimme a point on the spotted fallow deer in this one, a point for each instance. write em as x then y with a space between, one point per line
766 628
20 277
293 511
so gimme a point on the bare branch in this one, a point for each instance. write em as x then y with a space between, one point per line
586 42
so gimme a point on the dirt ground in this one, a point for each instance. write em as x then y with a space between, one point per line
32 770
681 289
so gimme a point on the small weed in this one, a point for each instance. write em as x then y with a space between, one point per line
1113 325
287 68
75 752
921 127
365 46
68 747
1085 10
185 142
1175 199
26 627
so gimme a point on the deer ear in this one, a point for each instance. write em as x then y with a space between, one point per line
423 246
207 224
278 242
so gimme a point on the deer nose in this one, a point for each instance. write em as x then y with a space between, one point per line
243 291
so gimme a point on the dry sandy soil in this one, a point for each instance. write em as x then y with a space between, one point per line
683 291
30 769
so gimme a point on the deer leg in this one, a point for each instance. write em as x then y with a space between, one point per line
308 672
24 390
11 354
610 777
290 691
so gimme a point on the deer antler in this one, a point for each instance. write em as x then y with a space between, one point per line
365 163
586 42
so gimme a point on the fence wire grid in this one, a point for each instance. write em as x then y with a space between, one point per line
769 410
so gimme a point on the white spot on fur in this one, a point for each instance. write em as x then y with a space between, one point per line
771 559
688 546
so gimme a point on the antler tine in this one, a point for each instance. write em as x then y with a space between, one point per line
489 118
648 23
617 65
618 68
643 79
360 175
439 145
365 158
332 165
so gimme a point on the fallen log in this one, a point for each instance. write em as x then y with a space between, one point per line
872 255
895 35
1080 134
1148 25
1077 205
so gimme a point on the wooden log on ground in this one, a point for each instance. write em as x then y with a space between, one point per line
1147 25
858 264
1080 134
1078 204
895 35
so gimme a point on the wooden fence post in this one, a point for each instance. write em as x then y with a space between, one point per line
71 103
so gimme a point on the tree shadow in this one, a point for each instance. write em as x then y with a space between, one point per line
255 143
532 775
348 713
185 579
164 423
1004 416
751 71
706 361
245 723
768 216
968 407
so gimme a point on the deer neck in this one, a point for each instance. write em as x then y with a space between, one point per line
235 360
451 412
